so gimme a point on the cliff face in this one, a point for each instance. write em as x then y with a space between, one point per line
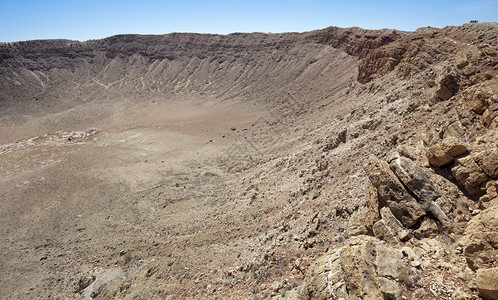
333 163
183 63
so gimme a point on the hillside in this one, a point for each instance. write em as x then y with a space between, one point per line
337 163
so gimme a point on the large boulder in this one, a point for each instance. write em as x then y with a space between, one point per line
392 193
487 283
444 152
480 240
415 179
365 268
469 174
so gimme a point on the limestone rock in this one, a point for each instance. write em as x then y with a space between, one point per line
438 213
407 151
394 223
365 268
330 144
487 283
384 232
455 129
445 151
469 174
461 60
415 179
392 193
488 161
358 223
104 283
480 240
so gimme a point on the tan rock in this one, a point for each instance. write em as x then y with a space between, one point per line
479 102
447 87
104 283
487 283
469 70
394 223
438 213
384 232
408 152
316 285
491 196
365 268
488 161
358 223
461 60
445 151
489 117
480 240
469 174
392 193
342 136
455 129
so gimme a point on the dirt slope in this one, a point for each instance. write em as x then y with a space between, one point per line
225 166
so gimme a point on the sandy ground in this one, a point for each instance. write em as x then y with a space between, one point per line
70 206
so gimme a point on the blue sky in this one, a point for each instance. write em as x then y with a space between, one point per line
90 19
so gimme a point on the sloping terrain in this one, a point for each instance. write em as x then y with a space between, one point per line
334 163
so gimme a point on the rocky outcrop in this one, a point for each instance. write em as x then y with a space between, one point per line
392 193
445 151
380 62
407 182
469 174
366 268
480 241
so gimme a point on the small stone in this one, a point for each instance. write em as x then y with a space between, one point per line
415 263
